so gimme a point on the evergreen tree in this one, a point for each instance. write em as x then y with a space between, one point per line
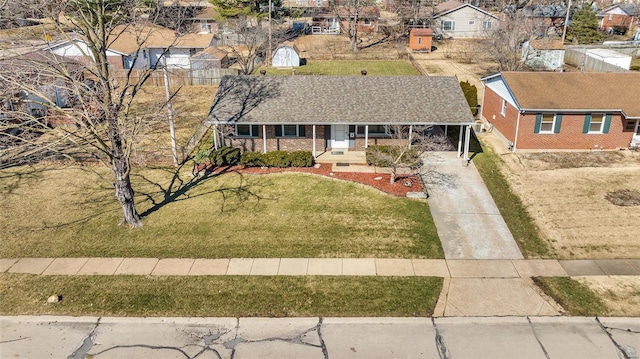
584 26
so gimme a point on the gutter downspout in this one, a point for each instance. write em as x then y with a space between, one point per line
460 140
515 140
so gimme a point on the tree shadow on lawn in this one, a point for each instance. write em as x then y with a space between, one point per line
180 189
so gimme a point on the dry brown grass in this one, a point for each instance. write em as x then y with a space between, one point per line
621 294
567 199
191 106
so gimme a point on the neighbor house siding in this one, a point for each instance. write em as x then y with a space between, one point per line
571 136
463 27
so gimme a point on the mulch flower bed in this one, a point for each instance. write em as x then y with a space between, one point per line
380 181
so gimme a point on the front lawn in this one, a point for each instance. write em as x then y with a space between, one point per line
348 68
60 211
211 296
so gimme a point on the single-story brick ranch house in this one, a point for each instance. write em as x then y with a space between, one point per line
327 113
563 111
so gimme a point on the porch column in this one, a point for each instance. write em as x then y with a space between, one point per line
466 143
410 134
460 141
264 138
313 145
366 136
446 127
221 138
215 137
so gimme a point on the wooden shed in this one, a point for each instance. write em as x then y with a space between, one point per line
420 40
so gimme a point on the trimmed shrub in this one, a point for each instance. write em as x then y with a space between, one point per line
301 159
277 159
225 156
383 156
280 159
252 159
471 94
202 156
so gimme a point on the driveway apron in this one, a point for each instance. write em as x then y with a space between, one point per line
466 217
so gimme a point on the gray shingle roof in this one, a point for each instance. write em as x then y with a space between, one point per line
340 100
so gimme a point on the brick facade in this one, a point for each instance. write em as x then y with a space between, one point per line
570 136
305 143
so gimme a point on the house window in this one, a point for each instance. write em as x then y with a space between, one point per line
448 25
367 21
374 130
548 123
503 111
419 40
548 120
486 25
472 22
290 131
246 130
596 123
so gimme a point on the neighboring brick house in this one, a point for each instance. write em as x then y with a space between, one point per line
563 111
619 17
321 113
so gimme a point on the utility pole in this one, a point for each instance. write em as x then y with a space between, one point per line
566 21
269 52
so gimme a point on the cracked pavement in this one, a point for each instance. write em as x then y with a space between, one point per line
204 338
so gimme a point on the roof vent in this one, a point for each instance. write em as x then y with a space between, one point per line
363 72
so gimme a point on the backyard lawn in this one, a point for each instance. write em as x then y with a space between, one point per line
349 68
62 211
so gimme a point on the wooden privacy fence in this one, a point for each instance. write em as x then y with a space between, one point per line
178 77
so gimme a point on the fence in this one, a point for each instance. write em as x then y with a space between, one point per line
578 58
179 77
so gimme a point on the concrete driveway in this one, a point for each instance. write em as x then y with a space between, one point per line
466 217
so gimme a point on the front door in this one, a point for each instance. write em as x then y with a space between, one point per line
340 136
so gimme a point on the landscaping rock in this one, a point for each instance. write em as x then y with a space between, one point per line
317 165
377 178
53 299
418 195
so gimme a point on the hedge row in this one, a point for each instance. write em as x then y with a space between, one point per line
277 159
230 156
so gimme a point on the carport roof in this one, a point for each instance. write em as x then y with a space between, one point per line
418 100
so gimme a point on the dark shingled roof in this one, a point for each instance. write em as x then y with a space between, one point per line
576 90
340 100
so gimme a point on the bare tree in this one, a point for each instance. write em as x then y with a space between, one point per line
411 143
95 109
349 12
504 44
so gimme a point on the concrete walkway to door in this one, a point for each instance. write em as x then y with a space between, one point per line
466 217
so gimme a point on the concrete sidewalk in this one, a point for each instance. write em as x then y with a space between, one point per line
335 338
456 268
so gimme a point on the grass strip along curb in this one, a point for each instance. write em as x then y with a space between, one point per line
237 296
520 223
576 298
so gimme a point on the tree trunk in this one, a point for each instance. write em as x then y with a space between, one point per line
392 175
121 167
124 194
